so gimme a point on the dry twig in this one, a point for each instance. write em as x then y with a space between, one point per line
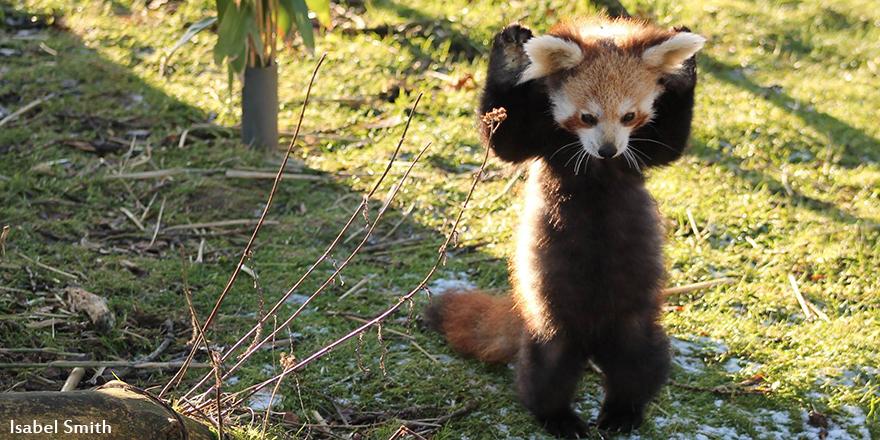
247 249
493 119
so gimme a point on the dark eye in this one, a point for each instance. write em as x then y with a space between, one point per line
627 118
589 119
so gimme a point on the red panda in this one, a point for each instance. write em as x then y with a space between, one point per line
589 105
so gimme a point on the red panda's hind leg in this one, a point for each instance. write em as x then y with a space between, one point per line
636 365
547 377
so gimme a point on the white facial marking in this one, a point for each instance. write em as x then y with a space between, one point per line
563 108
593 109
625 106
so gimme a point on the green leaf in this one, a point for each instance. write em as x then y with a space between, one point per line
231 32
321 8
284 22
300 13
254 34
222 5
191 32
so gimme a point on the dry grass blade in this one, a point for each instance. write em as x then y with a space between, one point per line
678 290
810 310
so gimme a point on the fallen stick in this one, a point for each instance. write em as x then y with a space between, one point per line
356 287
100 364
362 321
49 268
14 115
158 174
132 218
74 379
40 350
116 411
246 174
678 290
218 224
809 309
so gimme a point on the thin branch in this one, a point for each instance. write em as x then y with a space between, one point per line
361 207
493 119
247 249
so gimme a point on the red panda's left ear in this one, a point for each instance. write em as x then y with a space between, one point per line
549 54
668 55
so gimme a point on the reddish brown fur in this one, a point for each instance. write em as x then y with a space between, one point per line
639 34
483 326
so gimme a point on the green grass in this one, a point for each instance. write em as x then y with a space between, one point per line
782 179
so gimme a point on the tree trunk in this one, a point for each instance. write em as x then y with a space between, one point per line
116 411
259 107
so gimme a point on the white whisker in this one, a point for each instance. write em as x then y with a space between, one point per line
576 154
656 142
632 160
640 153
573 144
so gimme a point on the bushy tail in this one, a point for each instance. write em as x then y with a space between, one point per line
476 324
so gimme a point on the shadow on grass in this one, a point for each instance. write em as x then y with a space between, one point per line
858 146
836 130
438 31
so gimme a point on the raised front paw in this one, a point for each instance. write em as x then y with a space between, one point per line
508 58
565 425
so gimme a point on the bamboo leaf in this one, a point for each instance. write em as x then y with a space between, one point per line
231 32
191 32
321 8
300 13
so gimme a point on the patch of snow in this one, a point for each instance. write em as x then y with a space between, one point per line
688 353
772 424
261 399
444 358
706 432
816 395
268 370
455 281
735 365
296 298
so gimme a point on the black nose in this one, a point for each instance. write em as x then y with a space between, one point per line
606 151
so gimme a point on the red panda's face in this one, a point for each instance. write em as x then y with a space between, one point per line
603 78
604 101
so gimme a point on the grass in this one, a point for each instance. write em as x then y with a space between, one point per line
782 179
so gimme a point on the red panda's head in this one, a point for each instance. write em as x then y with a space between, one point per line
604 75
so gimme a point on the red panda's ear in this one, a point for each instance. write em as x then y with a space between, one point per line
668 55
549 54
